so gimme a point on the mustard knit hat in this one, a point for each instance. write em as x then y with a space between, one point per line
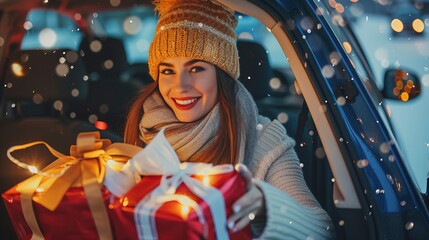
197 29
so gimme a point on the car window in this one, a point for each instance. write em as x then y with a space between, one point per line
373 48
48 29
135 27
252 29
397 41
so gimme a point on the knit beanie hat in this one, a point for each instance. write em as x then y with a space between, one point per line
197 29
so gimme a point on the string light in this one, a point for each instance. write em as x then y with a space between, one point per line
31 168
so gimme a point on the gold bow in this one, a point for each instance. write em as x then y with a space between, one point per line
85 167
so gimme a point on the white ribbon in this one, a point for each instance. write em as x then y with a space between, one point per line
159 158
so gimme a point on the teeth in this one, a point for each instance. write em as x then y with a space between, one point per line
185 102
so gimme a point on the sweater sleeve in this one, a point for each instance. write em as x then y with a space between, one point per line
288 219
292 212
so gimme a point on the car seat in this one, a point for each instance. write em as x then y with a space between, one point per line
40 86
269 87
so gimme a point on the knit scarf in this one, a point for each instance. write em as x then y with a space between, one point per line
188 139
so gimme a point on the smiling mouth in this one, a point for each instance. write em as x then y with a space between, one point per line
185 104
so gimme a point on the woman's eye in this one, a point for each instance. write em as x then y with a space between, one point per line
167 71
197 69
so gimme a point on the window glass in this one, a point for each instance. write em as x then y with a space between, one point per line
135 27
250 28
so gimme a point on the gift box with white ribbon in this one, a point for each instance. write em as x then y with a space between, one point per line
158 197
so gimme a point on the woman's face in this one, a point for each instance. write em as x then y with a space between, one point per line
188 86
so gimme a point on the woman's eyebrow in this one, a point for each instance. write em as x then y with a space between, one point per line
165 64
190 62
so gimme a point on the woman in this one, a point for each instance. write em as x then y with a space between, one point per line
210 117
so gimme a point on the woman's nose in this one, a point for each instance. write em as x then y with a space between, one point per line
183 80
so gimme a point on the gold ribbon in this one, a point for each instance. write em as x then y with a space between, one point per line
85 167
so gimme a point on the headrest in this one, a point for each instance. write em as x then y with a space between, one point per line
48 18
104 57
255 70
42 75
51 30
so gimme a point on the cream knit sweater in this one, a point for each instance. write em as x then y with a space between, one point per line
291 210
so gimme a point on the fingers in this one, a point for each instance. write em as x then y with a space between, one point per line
241 219
245 209
253 196
245 174
249 205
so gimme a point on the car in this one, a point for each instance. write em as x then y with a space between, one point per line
299 60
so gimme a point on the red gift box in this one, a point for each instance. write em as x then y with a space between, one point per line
172 200
71 219
172 221
66 200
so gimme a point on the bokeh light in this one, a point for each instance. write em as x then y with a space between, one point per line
418 25
362 163
397 25
77 16
75 92
405 96
306 23
58 105
115 3
384 2
339 7
47 37
132 25
62 70
92 118
347 47
328 71
108 64
283 117
17 69
37 98
275 83
28 25
338 20
341 101
335 58
101 125
95 46
245 35
72 56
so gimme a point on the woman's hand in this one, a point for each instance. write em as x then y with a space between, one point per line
249 205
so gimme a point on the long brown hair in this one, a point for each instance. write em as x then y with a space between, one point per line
225 147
